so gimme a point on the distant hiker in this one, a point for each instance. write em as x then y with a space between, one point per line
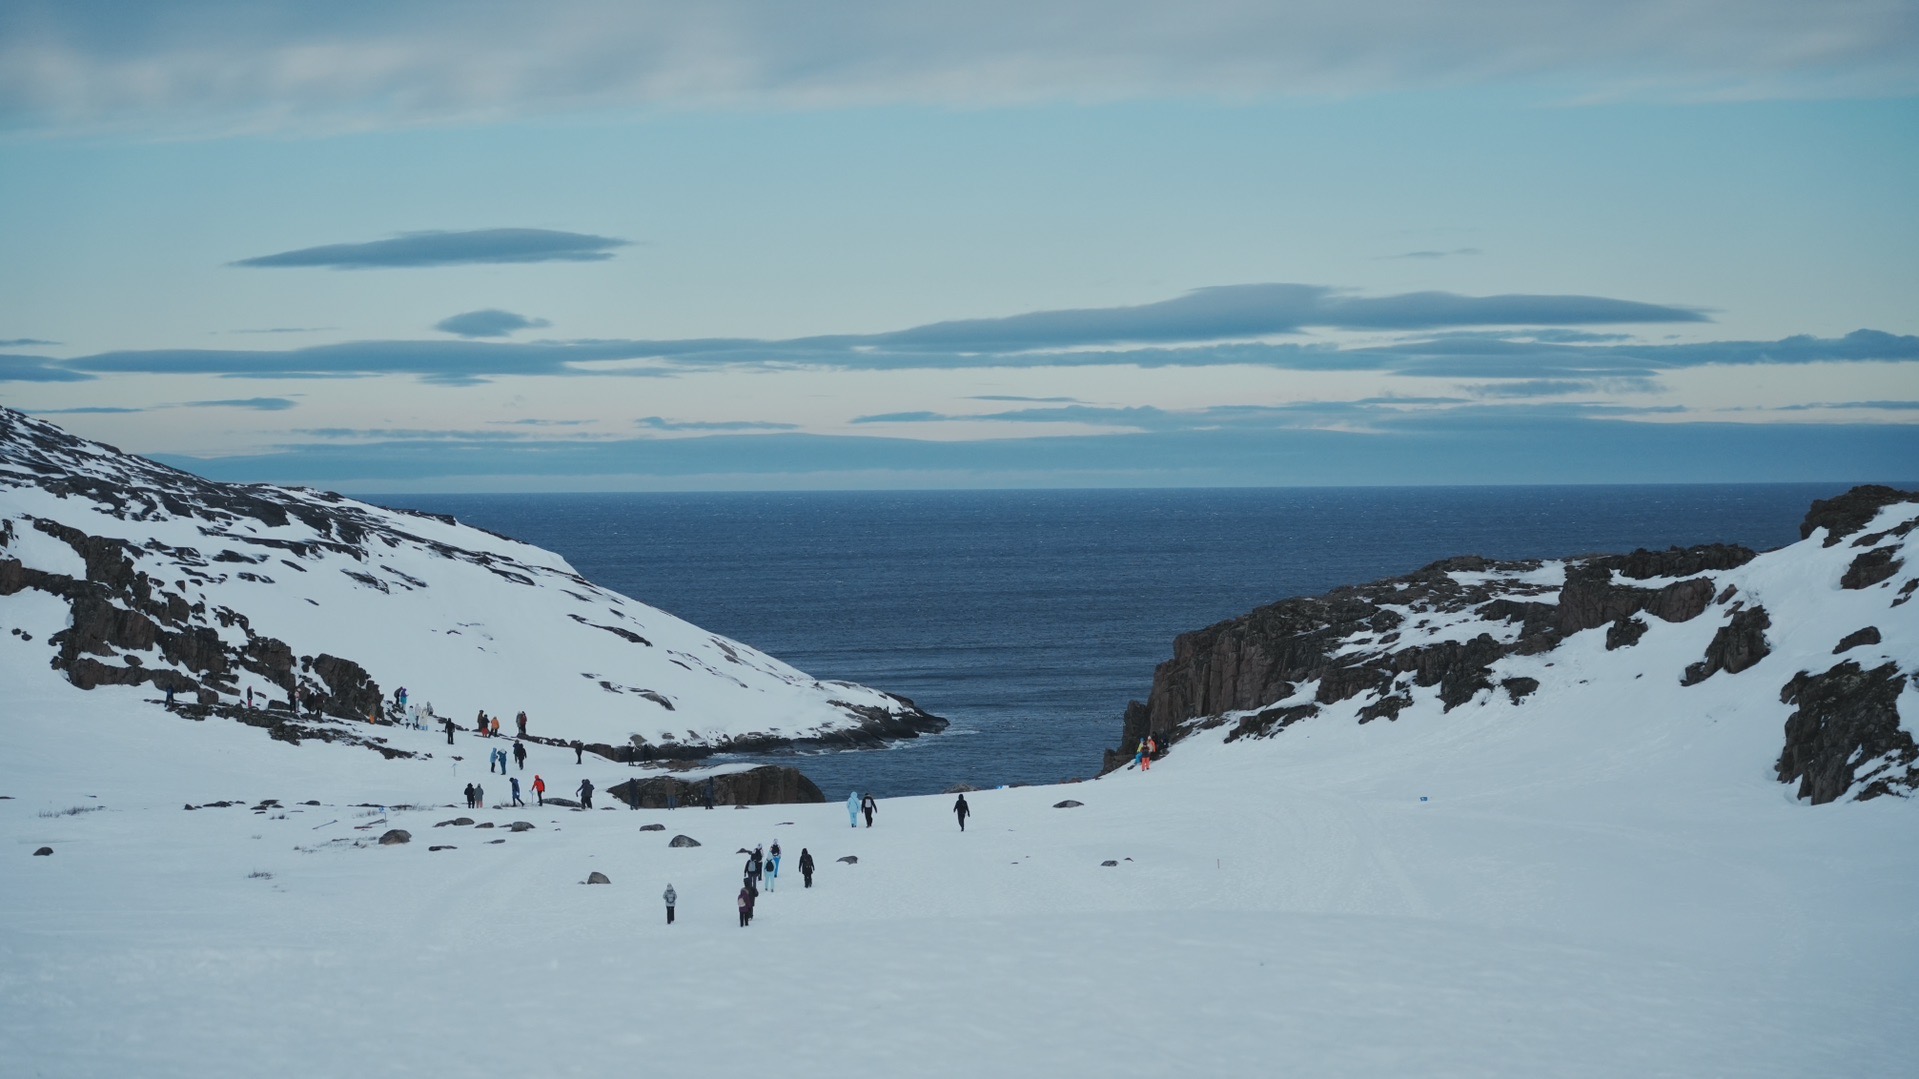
249 696
962 811
806 866
586 794
399 698
479 796
1139 753
469 796
169 696
449 729
746 907
520 721
519 755
1152 750
578 750
494 730
516 792
539 788
479 725
672 798
671 898
773 868
869 807
853 810
709 792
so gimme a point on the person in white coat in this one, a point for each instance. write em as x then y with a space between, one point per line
853 810
671 898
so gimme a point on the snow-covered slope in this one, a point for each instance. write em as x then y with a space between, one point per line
1810 653
126 573
1605 879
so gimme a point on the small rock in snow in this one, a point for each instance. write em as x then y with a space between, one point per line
682 841
597 877
521 826
444 846
485 824
851 859
1068 804
492 841
43 852
652 827
394 836
1108 862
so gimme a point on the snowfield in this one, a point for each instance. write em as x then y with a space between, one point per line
1605 879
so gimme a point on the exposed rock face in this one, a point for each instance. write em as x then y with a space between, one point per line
1470 630
1366 640
766 785
1739 644
1846 731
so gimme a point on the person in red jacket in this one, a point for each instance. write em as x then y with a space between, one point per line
539 788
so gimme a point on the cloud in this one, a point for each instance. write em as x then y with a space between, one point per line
25 342
288 329
1435 254
37 369
257 404
1017 397
252 65
656 423
489 322
475 247
90 410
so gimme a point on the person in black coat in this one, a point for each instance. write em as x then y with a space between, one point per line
869 807
469 796
449 729
806 866
519 754
962 811
586 794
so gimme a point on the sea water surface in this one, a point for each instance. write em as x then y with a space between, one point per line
1030 618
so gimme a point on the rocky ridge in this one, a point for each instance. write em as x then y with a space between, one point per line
132 574
1450 634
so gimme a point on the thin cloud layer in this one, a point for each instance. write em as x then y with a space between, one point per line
489 322
420 249
280 64
38 369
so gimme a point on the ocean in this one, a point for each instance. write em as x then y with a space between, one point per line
1030 618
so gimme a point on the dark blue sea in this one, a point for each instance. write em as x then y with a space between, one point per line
1030 618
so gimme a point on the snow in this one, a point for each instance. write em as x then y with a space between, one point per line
1602 880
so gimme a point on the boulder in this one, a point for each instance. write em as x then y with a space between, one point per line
1738 644
768 784
1846 731
521 826
43 852
1871 567
443 846
597 877
653 827
850 859
682 841
1869 635
1850 512
1068 804
395 836
1108 862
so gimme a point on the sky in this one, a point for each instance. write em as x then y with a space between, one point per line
592 245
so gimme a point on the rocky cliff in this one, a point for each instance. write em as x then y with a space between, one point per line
1472 630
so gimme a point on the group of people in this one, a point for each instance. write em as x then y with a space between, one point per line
856 805
476 795
762 867
1144 754
496 758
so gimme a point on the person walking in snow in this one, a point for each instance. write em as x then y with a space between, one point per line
746 907
578 750
773 868
520 721
671 898
479 796
519 754
1152 750
806 866
962 811
539 789
516 792
586 794
449 729
853 810
469 796
869 807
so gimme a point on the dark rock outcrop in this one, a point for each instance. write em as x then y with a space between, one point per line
1068 804
1847 720
43 852
597 877
1869 635
1871 567
768 784
1850 512
1738 644
395 836
682 841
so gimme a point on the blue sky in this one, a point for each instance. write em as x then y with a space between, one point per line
599 246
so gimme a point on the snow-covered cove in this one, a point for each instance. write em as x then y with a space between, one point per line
1603 878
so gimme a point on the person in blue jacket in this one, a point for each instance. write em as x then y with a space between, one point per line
853 810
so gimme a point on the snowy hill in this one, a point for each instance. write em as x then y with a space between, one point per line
1812 649
125 573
